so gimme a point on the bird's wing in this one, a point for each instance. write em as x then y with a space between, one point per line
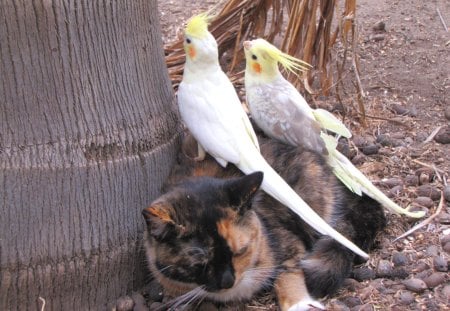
328 121
291 124
210 112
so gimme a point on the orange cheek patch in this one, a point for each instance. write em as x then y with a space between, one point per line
191 52
257 67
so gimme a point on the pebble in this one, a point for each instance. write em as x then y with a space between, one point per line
380 26
446 291
406 298
447 193
446 247
125 303
365 307
392 182
363 273
370 149
351 284
384 269
377 37
443 136
432 251
447 112
440 264
399 259
444 218
395 191
445 239
359 159
352 301
399 273
435 279
415 285
428 191
412 180
424 201
139 302
401 110
359 141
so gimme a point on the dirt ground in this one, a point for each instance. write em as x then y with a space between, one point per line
404 53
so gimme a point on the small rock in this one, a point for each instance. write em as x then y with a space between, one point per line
370 149
428 191
424 201
444 239
379 26
351 284
447 112
444 218
424 178
399 273
139 302
344 148
415 285
435 279
399 259
406 298
443 136
336 305
446 291
447 193
359 159
125 303
412 180
395 191
421 136
359 141
363 273
440 264
392 182
384 140
423 274
432 251
352 301
384 269
377 37
446 247
401 110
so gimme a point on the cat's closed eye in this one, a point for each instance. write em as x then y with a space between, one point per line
241 251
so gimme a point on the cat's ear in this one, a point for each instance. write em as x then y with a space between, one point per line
242 189
159 222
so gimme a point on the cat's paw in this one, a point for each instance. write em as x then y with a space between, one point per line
306 304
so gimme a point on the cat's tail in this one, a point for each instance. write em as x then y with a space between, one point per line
274 185
326 267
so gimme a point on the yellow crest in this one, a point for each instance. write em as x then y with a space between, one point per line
197 26
288 62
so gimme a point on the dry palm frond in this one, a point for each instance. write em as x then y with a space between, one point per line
301 28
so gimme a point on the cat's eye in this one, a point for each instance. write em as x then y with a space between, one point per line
241 251
254 57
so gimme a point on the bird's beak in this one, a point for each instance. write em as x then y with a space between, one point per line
247 45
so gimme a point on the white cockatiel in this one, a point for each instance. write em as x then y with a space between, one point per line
282 113
212 111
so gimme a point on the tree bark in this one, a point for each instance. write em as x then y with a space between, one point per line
88 133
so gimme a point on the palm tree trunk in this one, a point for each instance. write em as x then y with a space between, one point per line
88 133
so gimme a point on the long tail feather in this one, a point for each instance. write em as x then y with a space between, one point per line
276 187
356 181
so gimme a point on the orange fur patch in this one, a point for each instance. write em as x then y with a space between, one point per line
160 212
257 67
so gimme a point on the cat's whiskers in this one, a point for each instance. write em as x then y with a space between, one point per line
183 301
165 268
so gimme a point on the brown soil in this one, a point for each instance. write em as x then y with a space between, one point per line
405 73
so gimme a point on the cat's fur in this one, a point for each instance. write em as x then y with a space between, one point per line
214 235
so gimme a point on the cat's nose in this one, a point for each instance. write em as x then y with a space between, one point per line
227 279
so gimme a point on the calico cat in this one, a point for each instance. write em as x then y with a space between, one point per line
214 235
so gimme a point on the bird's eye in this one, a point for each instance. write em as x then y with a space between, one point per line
188 41
254 57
